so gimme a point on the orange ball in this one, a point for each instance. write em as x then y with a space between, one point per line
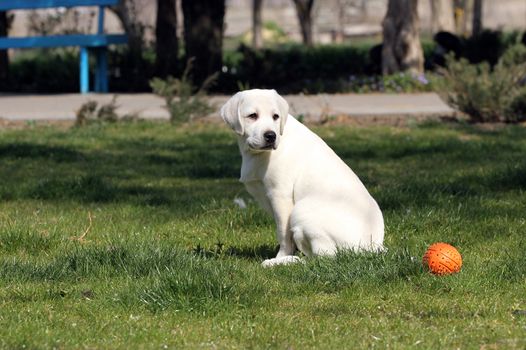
442 259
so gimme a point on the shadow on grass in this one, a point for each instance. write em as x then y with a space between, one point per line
256 253
418 168
33 151
154 165
104 168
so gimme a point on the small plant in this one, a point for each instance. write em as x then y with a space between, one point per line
90 112
518 105
183 100
488 95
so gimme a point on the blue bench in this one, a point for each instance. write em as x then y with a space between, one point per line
97 43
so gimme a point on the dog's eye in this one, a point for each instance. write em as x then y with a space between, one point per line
275 117
253 116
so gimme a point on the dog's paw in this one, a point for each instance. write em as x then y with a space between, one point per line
284 260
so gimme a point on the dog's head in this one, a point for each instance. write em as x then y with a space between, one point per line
258 117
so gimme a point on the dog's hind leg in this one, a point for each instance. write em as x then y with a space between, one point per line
313 243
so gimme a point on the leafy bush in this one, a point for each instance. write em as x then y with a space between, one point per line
57 71
517 56
296 68
518 105
183 101
45 70
487 95
291 68
514 55
131 71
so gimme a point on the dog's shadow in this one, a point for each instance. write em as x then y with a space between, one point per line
261 252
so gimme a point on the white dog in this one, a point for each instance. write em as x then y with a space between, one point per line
318 203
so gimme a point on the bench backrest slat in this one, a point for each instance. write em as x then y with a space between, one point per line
37 4
93 40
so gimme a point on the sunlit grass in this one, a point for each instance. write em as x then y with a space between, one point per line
168 259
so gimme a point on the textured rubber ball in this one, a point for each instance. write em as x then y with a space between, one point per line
442 259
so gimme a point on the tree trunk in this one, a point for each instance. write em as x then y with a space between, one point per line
338 34
304 12
401 49
463 16
127 12
257 38
442 16
203 36
166 45
4 59
477 17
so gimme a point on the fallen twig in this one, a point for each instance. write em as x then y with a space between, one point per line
81 238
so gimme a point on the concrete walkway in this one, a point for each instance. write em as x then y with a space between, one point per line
148 106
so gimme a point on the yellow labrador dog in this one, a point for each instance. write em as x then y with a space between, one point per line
318 203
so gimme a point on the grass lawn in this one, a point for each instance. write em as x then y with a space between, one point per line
170 261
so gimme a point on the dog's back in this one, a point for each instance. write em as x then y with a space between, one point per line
331 204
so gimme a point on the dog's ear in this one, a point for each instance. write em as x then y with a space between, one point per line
230 113
283 111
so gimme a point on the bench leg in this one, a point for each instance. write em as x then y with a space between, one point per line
84 70
101 75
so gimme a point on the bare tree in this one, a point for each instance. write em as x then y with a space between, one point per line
477 17
257 37
304 12
347 11
463 16
401 49
442 16
166 43
341 14
203 36
128 14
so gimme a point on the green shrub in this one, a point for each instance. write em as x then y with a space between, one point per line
131 71
488 95
183 100
294 68
57 70
290 68
45 70
514 55
518 105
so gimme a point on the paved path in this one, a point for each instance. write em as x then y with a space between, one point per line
149 106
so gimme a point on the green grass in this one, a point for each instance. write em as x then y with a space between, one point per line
170 261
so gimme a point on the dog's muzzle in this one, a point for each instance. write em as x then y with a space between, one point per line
270 139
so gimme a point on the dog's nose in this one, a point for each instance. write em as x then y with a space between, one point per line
270 136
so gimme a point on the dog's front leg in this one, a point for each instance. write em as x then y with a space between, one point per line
282 208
